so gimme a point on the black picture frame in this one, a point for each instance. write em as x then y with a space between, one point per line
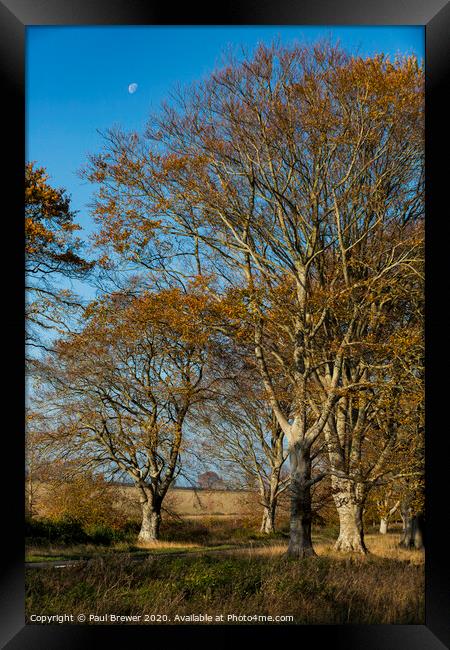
15 16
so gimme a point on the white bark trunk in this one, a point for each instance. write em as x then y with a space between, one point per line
268 520
350 510
151 520
384 520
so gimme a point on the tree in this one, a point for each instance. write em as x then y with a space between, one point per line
298 174
210 481
412 483
386 509
122 389
244 438
36 460
52 252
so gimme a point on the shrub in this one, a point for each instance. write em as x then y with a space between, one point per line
68 531
81 495
61 531
100 534
184 531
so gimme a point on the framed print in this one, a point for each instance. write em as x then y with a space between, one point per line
232 358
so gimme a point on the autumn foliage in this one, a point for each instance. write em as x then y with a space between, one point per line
273 216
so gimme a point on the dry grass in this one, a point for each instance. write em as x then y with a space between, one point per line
166 545
387 546
379 546
385 587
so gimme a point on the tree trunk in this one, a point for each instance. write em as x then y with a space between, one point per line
151 520
268 520
413 531
300 542
384 521
419 532
350 508
30 499
383 525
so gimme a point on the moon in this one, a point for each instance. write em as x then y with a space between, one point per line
132 88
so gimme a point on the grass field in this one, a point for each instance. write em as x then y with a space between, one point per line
387 586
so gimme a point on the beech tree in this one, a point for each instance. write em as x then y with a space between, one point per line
411 482
244 438
52 252
122 389
299 171
36 460
387 505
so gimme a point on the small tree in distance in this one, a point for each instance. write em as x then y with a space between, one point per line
210 481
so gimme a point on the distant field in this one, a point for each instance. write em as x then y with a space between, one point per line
183 502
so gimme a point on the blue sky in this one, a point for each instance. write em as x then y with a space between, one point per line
77 80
